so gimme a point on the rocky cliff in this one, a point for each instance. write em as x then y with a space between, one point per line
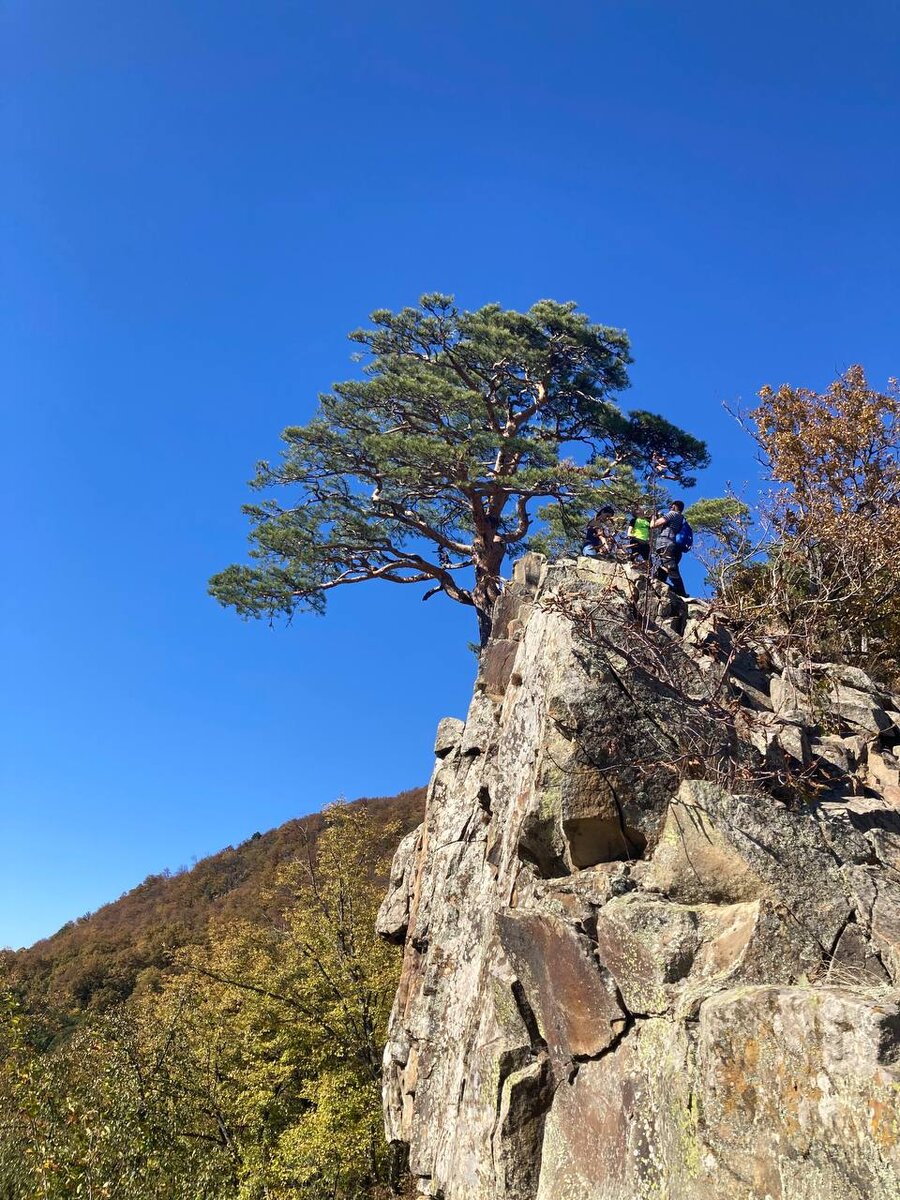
652 918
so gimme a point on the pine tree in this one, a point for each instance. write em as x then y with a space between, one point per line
431 468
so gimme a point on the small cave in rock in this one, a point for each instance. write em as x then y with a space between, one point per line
593 840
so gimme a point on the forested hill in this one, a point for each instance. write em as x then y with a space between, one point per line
102 958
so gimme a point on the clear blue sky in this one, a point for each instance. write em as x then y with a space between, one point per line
201 199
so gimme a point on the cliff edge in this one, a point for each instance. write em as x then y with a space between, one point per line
652 917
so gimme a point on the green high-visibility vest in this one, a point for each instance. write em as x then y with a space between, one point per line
640 529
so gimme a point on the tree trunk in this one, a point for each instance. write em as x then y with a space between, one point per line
488 561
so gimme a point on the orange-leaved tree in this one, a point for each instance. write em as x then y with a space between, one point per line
833 515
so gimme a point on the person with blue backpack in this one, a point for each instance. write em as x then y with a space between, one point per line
674 537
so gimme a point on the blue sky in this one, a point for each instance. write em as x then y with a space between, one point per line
201 199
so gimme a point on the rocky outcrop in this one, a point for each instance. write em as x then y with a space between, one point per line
651 922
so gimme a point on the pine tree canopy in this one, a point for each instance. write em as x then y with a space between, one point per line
467 432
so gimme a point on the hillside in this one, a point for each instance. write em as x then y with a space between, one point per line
100 959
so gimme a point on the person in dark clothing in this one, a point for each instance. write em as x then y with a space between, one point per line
667 526
599 540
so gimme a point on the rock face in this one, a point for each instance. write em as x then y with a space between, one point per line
651 921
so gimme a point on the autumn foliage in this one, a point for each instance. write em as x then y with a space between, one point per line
825 570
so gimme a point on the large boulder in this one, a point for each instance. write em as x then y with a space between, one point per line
800 1089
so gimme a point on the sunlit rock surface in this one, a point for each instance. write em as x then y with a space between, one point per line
652 917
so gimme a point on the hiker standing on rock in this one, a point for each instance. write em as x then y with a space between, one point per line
599 539
638 537
671 529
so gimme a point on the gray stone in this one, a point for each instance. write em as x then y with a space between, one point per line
744 667
393 916
857 708
788 699
756 699
850 676
496 666
794 742
882 772
886 847
597 570
571 996
832 751
512 609
481 726
789 1074
857 744
529 571
858 825
885 925
723 849
658 951
449 735
525 1097
855 963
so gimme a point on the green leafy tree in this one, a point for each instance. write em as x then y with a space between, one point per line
305 1004
724 543
114 1112
254 1073
455 447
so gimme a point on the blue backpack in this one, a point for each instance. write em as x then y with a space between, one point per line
684 538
